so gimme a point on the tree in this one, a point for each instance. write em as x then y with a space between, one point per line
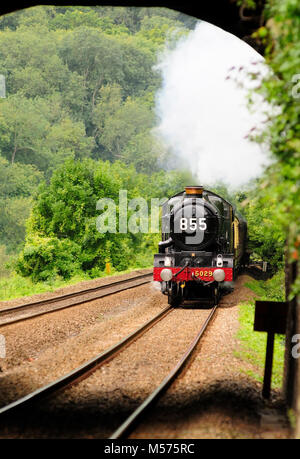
145 152
94 56
108 102
17 184
14 213
103 59
22 128
62 228
31 131
67 139
119 128
18 179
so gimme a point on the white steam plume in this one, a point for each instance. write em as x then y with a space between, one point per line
204 119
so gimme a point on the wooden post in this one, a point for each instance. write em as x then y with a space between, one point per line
268 366
270 317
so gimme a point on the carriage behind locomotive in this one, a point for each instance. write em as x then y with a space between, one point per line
203 246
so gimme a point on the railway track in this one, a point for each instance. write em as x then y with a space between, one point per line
132 421
38 308
84 370
89 367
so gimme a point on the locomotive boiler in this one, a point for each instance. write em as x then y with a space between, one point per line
202 248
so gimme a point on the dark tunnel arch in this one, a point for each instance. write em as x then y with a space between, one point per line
227 14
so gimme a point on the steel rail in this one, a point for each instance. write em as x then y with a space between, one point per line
128 425
79 294
86 369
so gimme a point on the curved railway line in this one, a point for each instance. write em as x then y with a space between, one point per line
85 370
38 308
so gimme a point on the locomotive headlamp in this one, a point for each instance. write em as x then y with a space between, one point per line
168 261
166 274
194 190
219 275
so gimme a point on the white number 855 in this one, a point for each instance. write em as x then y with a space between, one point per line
193 223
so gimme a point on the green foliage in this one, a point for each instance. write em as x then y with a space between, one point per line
31 133
13 215
251 4
104 59
272 289
30 62
157 29
117 131
18 180
282 133
145 152
22 126
45 258
4 260
80 82
73 18
266 236
17 184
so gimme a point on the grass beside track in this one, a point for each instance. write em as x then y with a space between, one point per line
253 344
16 286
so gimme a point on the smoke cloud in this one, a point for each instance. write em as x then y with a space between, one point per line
202 106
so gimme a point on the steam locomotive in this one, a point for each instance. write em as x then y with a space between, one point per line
203 246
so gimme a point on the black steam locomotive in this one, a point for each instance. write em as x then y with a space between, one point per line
203 246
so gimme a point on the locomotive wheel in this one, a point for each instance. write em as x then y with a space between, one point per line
173 298
216 295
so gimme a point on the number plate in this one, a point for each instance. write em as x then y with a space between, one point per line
203 273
